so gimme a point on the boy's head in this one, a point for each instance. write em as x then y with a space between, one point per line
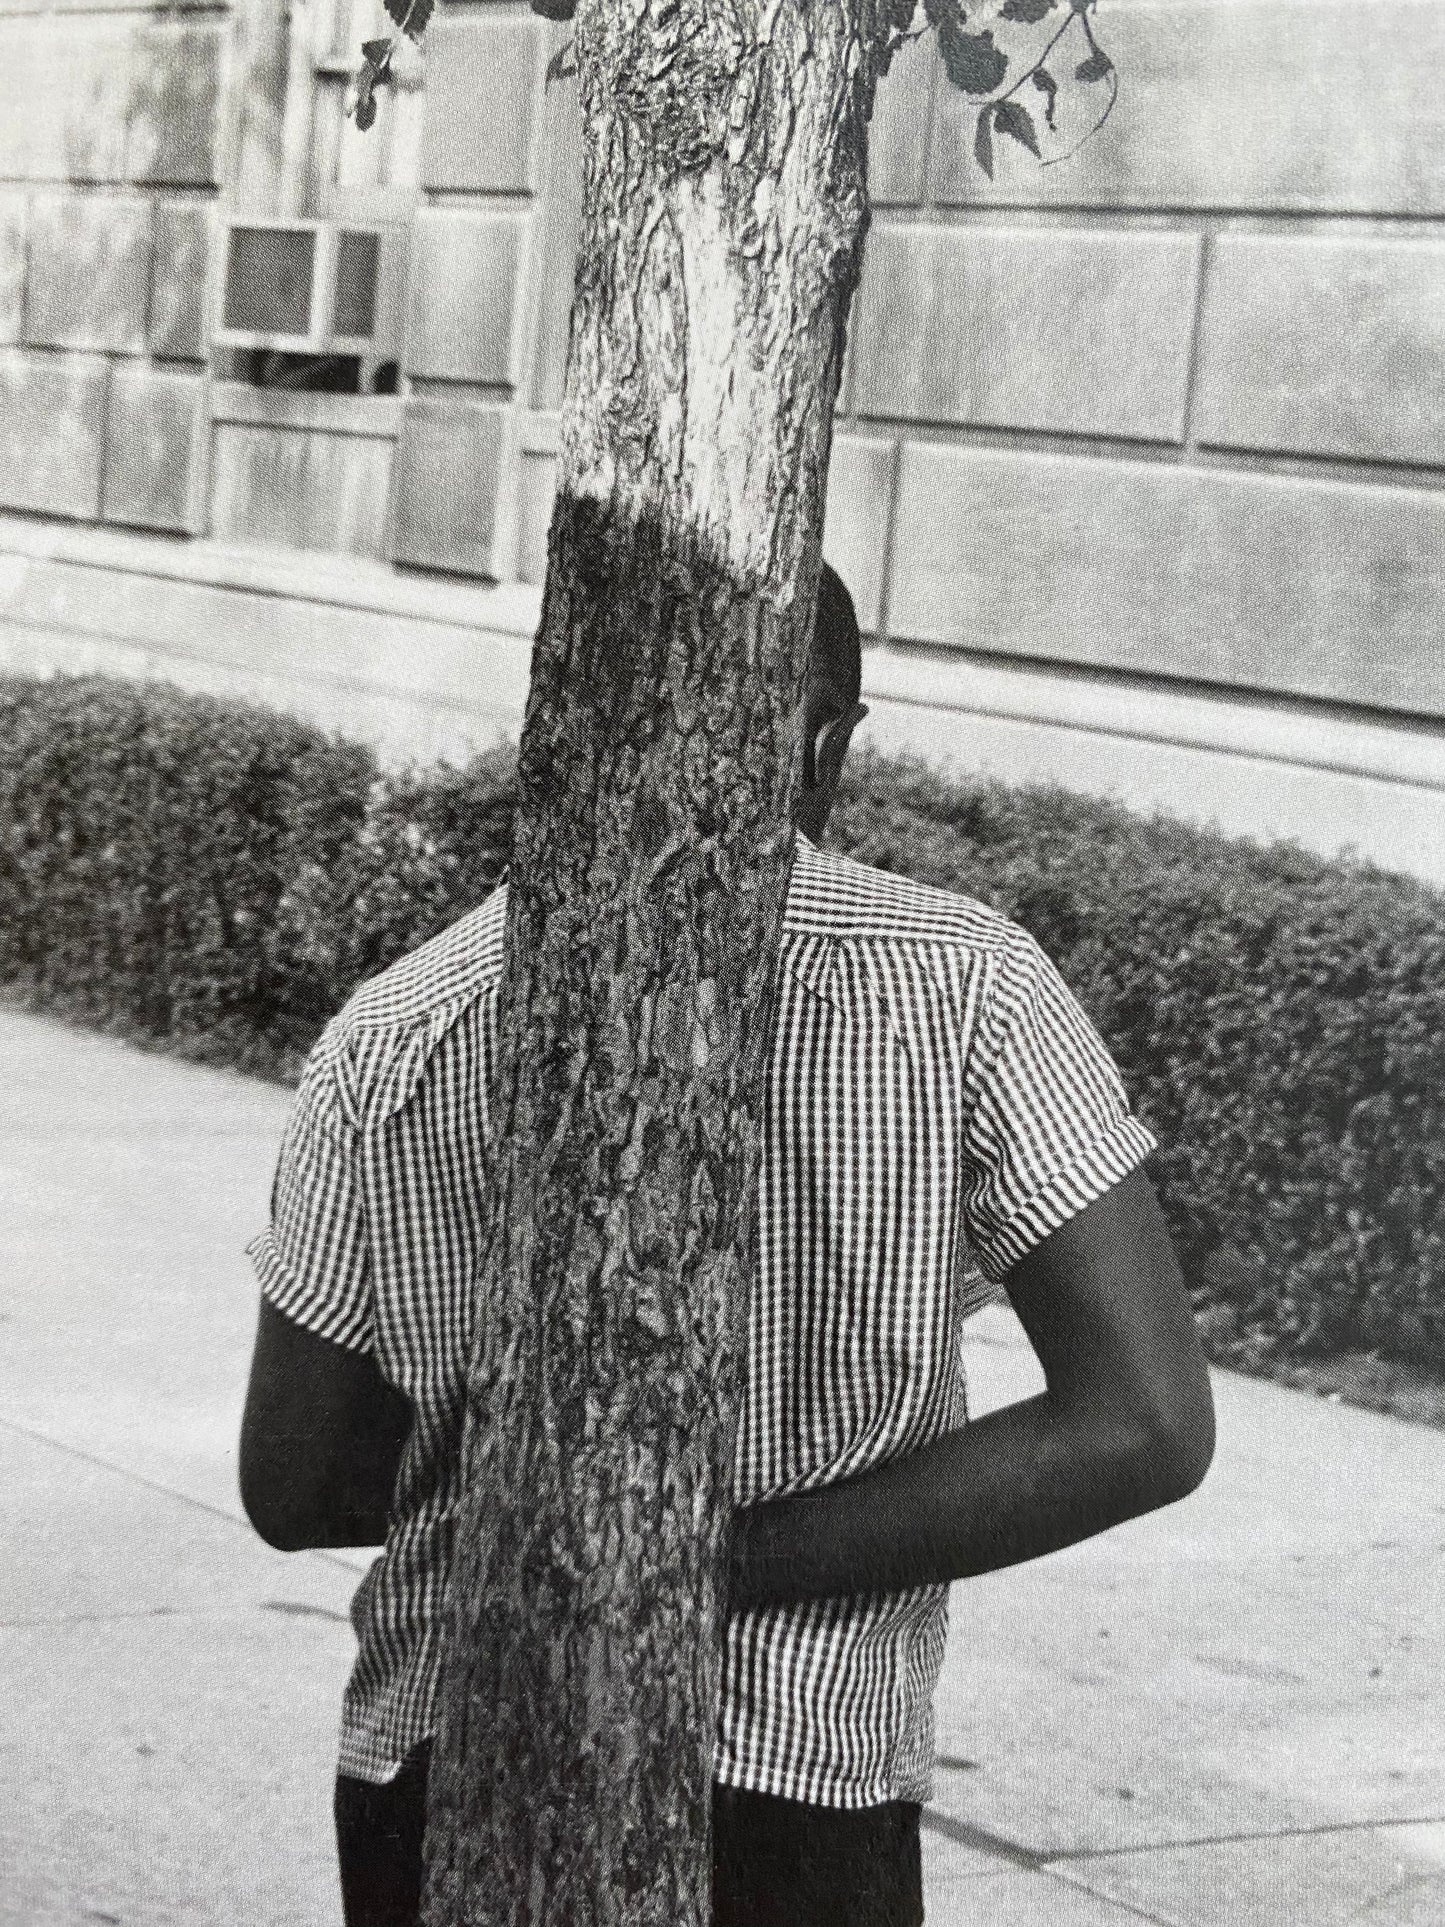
836 659
831 709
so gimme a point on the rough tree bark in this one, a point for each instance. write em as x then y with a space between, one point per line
724 214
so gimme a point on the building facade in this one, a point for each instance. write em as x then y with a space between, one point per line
1138 470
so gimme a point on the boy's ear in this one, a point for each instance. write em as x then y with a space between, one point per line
836 738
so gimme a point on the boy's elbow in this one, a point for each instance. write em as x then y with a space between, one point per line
1178 1440
276 1505
282 1531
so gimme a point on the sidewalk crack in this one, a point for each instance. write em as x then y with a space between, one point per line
1400 1887
29 1621
156 1485
999 1847
1076 1884
1069 1854
965 1833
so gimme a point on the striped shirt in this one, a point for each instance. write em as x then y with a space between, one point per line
937 1103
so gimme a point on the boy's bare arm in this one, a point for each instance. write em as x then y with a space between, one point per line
1126 1425
321 1440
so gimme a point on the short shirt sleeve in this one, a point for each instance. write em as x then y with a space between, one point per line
1049 1129
312 1259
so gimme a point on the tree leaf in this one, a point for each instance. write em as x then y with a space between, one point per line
1098 66
410 15
971 60
983 141
1017 122
374 71
1049 88
557 67
1029 11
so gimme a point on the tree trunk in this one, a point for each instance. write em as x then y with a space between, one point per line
723 218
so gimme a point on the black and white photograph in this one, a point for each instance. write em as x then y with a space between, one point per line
722 963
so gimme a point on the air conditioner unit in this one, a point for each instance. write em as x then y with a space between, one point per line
313 288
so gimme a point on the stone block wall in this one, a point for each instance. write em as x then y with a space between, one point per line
1173 413
111 137
475 245
1139 468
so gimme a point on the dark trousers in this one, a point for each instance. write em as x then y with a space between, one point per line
776 1863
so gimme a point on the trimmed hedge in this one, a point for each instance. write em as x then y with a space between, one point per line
215 875
219 877
1280 1023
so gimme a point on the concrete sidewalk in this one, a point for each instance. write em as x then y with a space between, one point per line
1232 1713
